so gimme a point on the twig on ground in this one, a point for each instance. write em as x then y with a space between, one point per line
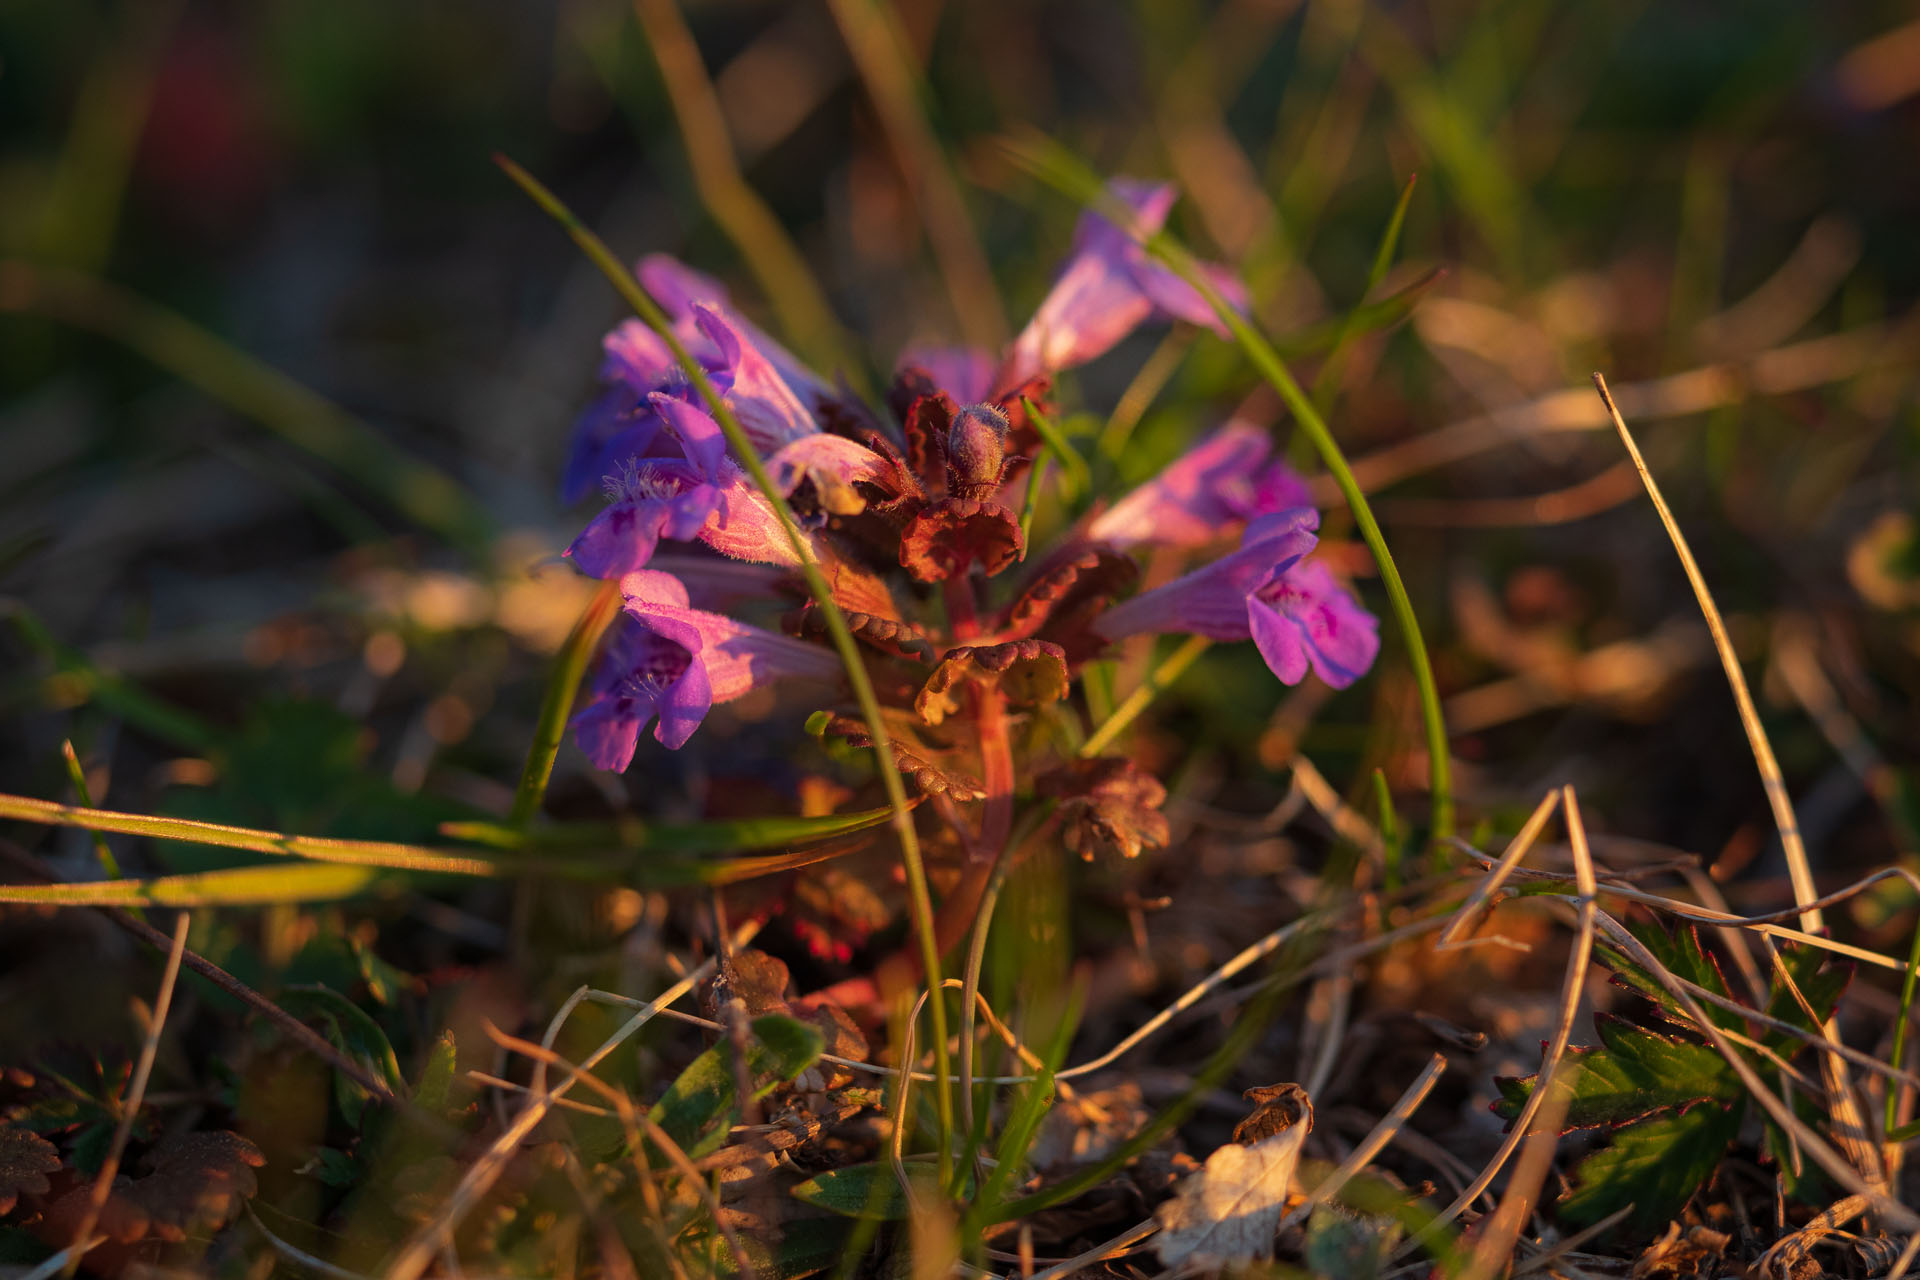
136 1093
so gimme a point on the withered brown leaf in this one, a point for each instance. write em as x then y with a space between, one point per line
26 1159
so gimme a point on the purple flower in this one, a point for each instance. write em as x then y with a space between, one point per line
655 498
964 373
682 292
663 660
833 463
1297 614
770 412
621 423
1215 485
1305 617
1109 287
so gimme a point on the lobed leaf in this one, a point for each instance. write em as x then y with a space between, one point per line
696 1104
1655 1167
1632 1074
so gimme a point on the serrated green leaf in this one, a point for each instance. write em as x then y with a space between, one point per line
1655 1166
1820 977
1631 1074
873 1190
1682 953
694 1110
806 1247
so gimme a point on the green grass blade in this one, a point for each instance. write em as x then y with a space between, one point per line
686 837
1053 164
562 686
1073 467
131 703
302 417
919 895
359 853
235 887
1328 379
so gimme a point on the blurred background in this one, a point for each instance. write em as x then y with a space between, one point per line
287 367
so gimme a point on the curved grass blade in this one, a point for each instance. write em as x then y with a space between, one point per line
131 703
919 895
562 686
302 417
359 853
1068 174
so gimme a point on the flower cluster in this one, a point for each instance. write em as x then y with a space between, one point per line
909 513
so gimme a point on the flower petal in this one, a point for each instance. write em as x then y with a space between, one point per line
833 463
619 540
700 436
768 409
964 373
1279 640
1194 500
683 705
608 730
1212 600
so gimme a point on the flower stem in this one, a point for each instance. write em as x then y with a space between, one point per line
562 686
1169 670
919 895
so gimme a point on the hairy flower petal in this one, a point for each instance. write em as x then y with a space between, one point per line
834 464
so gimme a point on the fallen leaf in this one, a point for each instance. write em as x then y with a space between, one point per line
25 1161
197 1183
1230 1210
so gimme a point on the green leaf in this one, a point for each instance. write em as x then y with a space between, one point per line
873 1190
354 1032
436 1077
1632 1074
1681 953
807 1246
1656 1167
696 1106
730 835
1016 1136
240 886
1820 977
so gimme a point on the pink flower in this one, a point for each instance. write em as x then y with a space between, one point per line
1108 288
667 662
1297 614
1215 485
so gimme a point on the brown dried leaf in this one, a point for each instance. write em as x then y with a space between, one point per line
197 1182
1028 672
1230 1210
949 537
756 979
123 1219
1108 805
911 760
1064 590
1699 1251
26 1159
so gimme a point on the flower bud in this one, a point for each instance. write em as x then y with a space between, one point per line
976 451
